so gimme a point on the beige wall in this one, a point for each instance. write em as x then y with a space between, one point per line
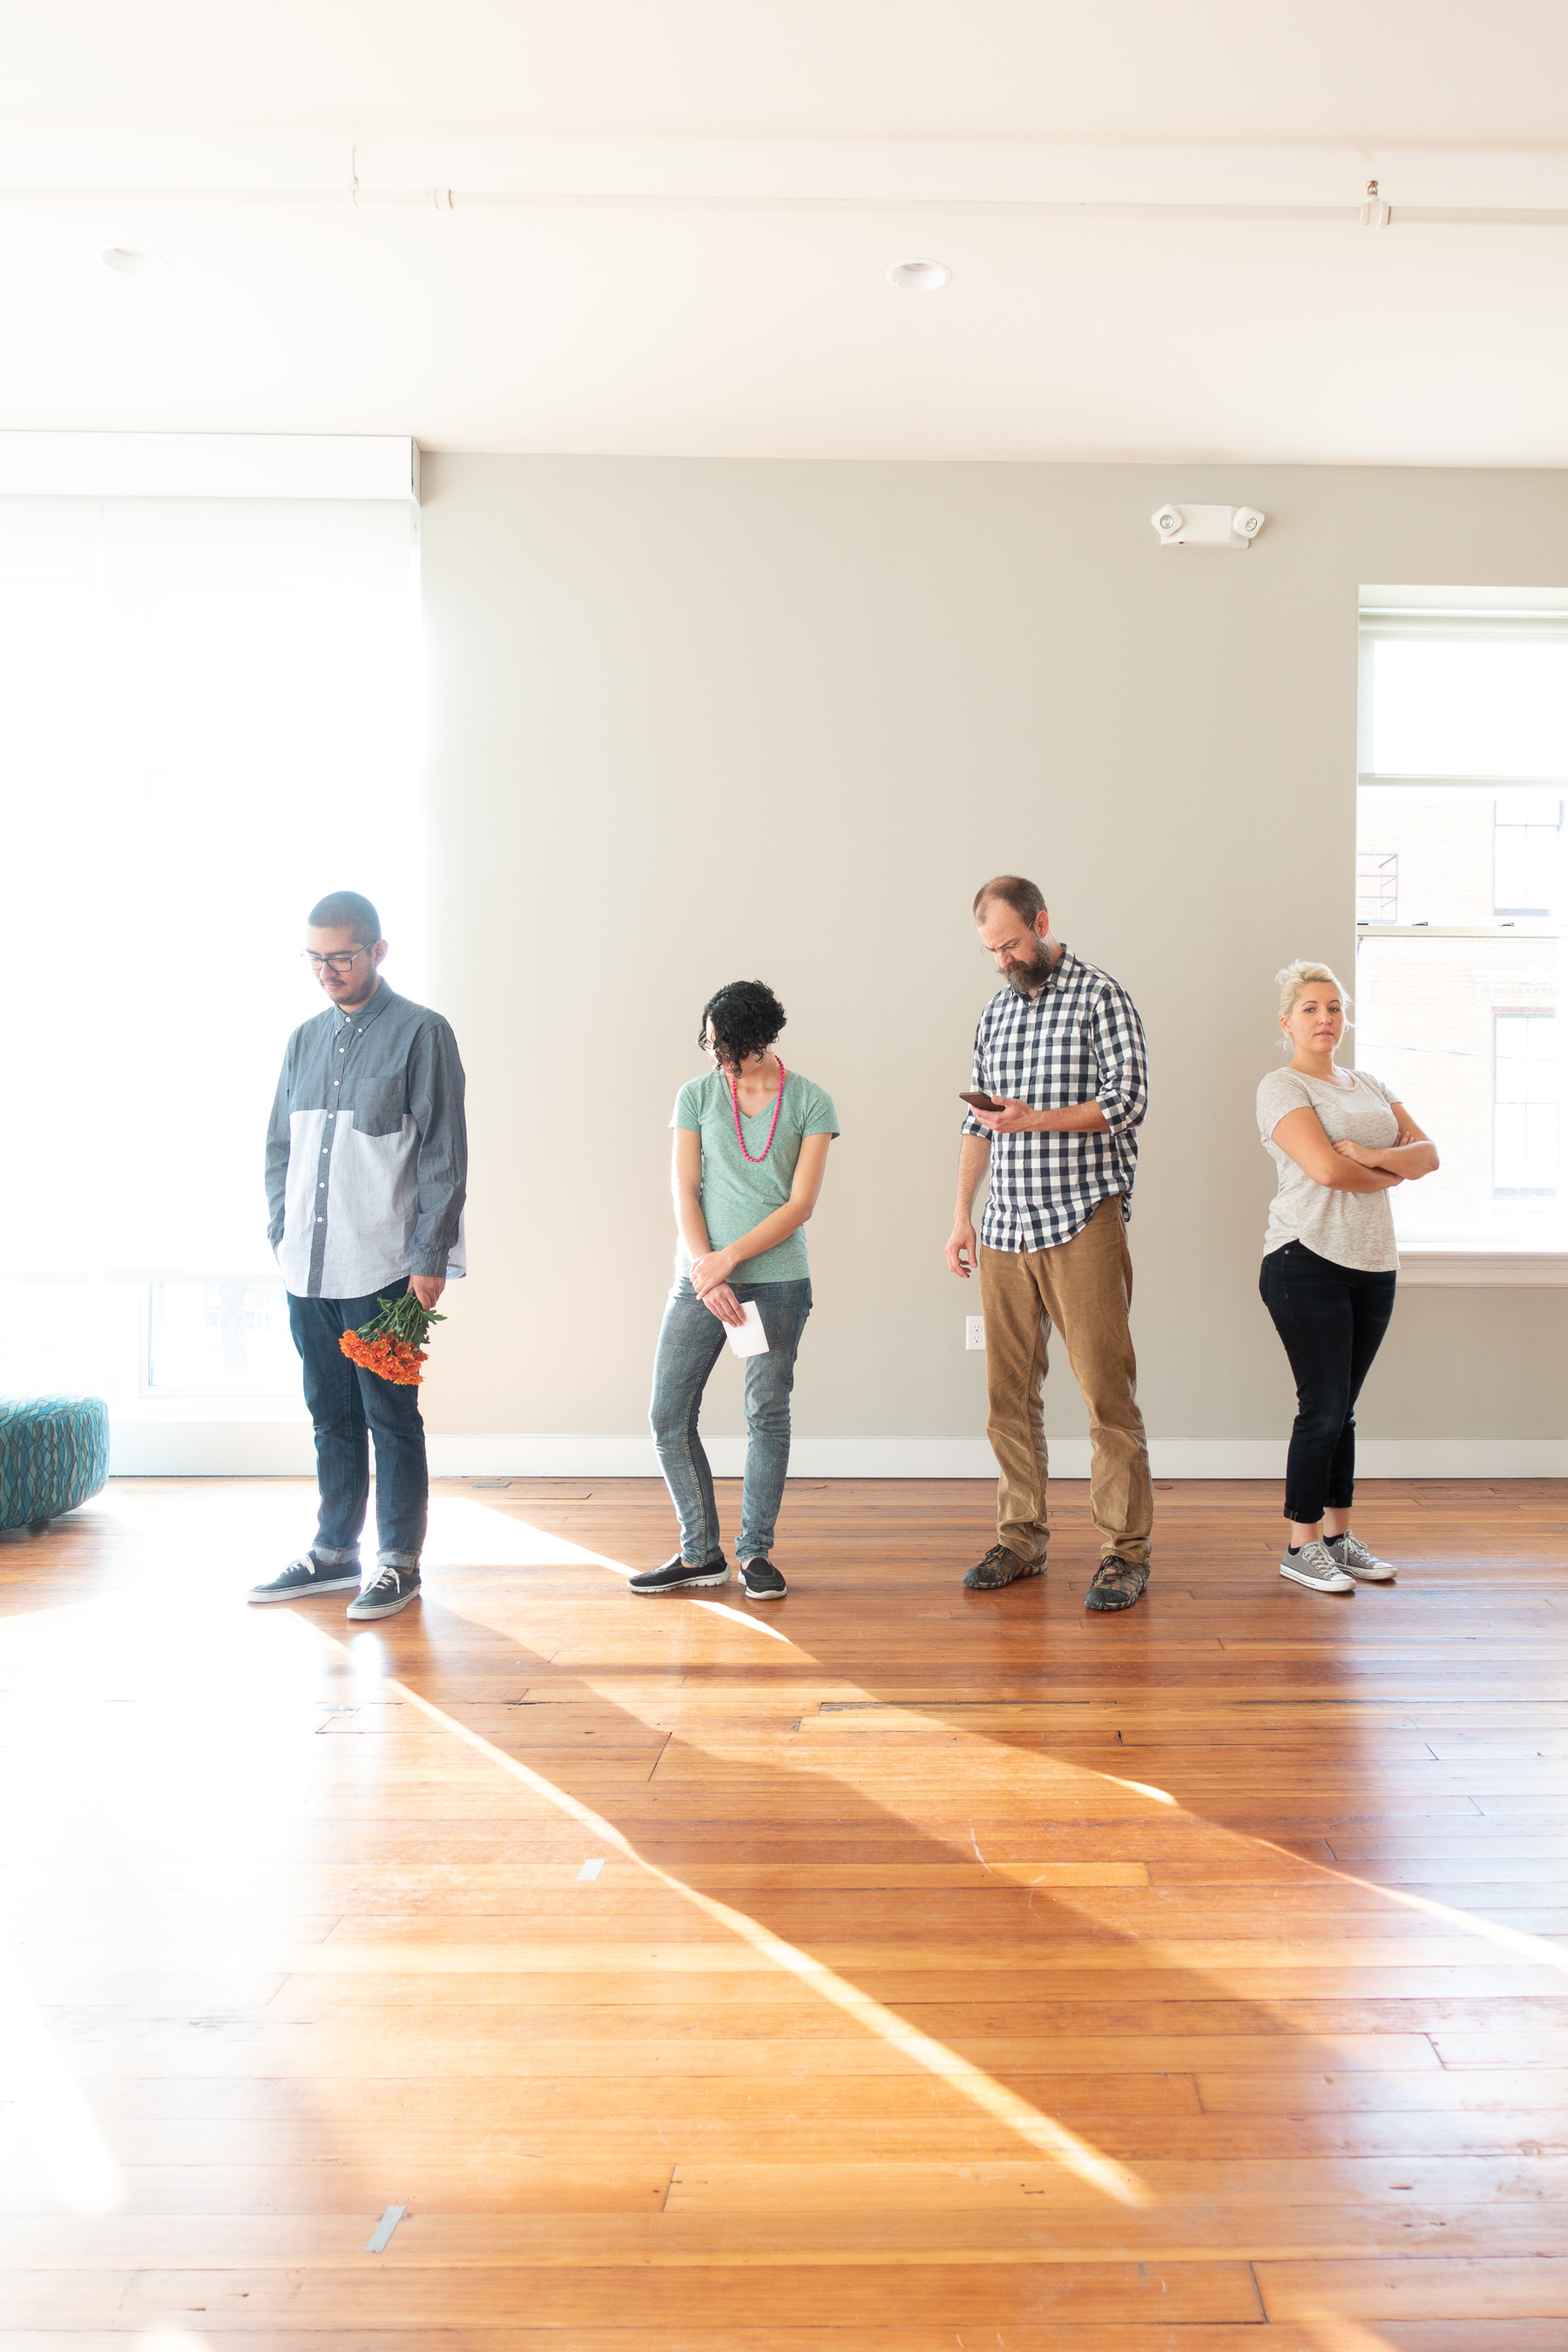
692 722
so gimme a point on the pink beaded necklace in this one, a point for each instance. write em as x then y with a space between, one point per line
757 1157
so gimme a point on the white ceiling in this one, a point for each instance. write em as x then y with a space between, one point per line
630 226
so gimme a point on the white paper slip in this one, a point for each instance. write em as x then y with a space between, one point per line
749 1339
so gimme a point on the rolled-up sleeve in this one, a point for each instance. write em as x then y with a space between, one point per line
278 1132
979 1084
1122 1056
436 1089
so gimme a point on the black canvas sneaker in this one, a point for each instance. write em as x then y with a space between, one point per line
386 1593
760 1581
677 1575
306 1575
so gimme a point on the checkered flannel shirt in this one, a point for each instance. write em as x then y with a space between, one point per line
1079 1040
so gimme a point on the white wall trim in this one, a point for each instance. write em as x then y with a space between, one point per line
283 1449
450 168
209 465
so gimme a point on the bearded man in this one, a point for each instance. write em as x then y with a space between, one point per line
1060 1052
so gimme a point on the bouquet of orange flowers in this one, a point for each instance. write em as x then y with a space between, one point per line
392 1345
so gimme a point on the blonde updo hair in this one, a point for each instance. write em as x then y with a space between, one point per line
1299 975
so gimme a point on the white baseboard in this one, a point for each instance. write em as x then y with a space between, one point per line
233 1448
1460 1457
970 1457
141 1448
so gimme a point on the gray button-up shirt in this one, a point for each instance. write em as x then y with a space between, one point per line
367 1150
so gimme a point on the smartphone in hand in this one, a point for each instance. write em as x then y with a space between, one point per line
981 1102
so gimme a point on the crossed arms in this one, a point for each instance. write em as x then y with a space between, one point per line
1351 1167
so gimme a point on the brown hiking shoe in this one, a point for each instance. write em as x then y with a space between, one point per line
999 1566
1117 1583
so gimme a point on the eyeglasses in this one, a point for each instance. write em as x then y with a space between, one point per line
339 963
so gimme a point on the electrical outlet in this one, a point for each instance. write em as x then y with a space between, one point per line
974 1331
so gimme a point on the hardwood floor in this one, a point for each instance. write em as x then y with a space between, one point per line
961 1969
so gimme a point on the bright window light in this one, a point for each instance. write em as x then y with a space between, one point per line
1462 909
1481 703
210 716
220 1339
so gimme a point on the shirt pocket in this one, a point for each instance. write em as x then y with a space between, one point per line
379 1106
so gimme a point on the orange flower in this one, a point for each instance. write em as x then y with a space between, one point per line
389 1345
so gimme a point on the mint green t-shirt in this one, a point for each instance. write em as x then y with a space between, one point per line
737 1194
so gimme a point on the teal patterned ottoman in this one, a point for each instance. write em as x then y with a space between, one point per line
53 1454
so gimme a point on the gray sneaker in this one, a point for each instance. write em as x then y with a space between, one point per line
1315 1567
1000 1567
1349 1552
307 1575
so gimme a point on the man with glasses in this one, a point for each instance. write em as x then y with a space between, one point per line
367 1158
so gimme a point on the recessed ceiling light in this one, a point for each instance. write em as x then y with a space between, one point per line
918 277
131 264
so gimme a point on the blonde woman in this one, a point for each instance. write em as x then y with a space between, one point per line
1340 1143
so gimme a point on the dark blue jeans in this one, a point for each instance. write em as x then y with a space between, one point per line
348 1407
1331 1319
690 1342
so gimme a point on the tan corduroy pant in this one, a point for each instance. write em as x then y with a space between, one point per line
1085 1287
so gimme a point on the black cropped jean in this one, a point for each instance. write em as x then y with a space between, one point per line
1331 1319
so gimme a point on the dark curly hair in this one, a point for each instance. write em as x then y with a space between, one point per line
746 1016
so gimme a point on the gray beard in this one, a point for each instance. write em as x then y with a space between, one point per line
1023 979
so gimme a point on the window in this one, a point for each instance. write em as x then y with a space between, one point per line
1460 900
1526 1118
219 1339
201 700
1526 832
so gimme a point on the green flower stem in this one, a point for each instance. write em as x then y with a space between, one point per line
402 1318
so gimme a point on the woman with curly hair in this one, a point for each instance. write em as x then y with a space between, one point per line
751 1151
1339 1142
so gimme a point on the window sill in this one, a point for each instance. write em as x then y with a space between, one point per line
1447 1265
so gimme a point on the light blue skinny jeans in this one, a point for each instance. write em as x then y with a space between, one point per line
690 1342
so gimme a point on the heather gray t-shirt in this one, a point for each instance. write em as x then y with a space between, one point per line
1350 1228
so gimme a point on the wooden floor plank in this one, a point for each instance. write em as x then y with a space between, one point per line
955 1964
1469 2286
